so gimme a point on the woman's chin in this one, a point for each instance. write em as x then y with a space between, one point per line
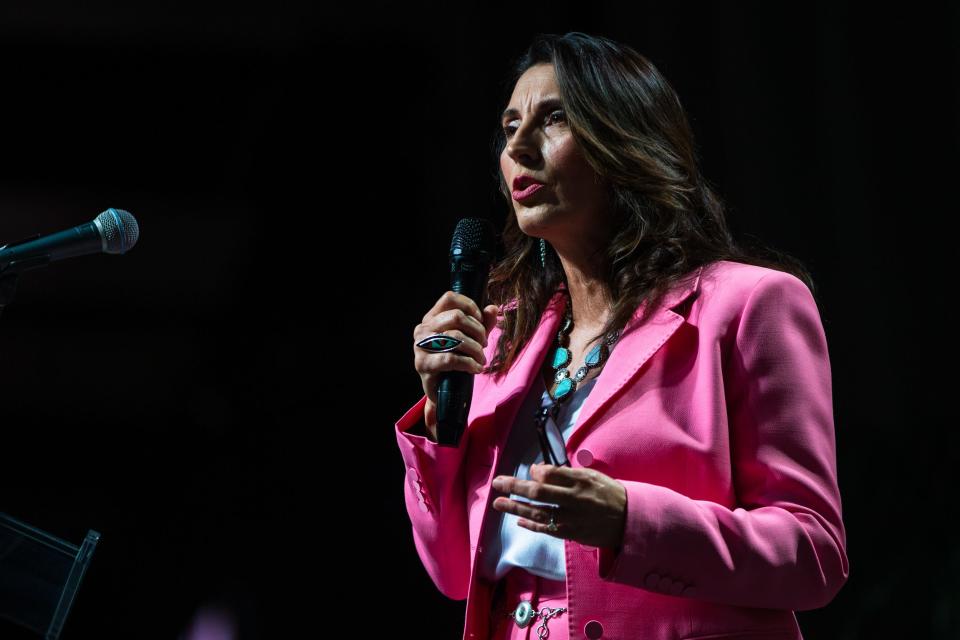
534 216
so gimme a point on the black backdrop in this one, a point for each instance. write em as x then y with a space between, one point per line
219 403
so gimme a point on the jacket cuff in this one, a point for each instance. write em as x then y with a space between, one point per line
429 465
642 558
617 565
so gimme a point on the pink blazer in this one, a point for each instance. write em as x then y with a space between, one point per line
717 417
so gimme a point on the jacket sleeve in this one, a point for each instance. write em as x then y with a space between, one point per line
784 545
435 499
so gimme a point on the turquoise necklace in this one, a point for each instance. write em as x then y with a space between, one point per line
562 358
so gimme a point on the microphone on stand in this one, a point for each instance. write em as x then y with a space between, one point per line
113 231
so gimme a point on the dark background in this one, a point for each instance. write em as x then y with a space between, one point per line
220 402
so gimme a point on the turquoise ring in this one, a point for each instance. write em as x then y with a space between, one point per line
439 343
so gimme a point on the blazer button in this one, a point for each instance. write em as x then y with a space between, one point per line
689 592
585 457
665 584
676 588
593 630
652 581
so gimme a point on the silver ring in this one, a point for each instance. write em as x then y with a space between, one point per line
439 343
552 524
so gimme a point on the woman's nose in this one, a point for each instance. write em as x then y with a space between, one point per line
523 146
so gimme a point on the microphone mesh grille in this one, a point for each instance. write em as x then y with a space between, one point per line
120 229
472 235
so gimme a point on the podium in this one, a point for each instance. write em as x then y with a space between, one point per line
40 575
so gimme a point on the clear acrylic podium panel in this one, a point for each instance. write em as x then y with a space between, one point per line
39 575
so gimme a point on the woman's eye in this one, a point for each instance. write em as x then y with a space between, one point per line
508 131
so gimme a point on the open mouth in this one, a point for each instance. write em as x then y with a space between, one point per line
528 191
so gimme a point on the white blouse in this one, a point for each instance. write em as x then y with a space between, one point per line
505 543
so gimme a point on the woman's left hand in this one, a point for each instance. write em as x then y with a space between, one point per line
593 506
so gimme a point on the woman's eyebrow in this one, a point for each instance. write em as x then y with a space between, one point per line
510 111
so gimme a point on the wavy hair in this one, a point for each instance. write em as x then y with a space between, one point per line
667 220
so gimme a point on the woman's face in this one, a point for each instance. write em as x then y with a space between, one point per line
568 208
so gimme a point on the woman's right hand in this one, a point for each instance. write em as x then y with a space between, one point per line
458 316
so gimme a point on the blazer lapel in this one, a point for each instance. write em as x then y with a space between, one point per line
505 396
637 343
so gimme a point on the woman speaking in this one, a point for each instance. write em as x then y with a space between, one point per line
650 448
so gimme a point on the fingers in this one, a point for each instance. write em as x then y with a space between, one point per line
533 512
533 489
431 365
592 513
459 317
456 311
490 314
558 475
469 349
454 300
434 363
454 315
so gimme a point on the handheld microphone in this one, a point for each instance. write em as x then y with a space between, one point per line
113 231
471 252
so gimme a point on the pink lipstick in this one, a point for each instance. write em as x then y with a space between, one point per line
526 193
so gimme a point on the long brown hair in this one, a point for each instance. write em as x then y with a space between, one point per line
629 124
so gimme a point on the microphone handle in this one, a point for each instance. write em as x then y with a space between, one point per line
455 388
453 404
33 252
